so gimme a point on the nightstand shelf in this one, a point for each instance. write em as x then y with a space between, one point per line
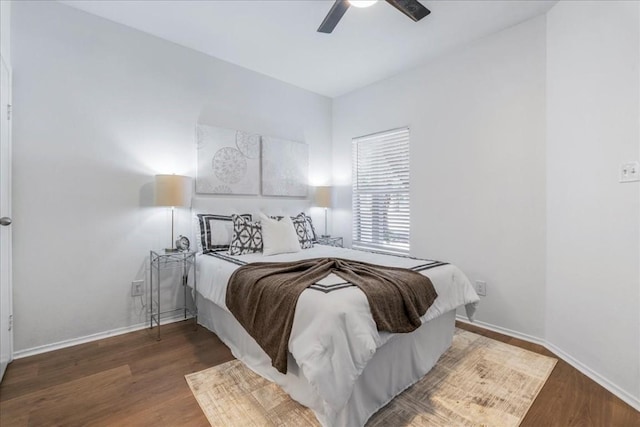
162 260
330 241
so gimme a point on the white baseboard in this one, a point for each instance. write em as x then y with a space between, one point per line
501 330
633 401
89 338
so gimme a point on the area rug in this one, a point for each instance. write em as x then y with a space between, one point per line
477 382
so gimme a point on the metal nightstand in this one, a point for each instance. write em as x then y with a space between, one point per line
159 260
330 241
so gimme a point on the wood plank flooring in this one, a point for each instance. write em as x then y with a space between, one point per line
134 380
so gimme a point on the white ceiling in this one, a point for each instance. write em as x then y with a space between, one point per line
278 37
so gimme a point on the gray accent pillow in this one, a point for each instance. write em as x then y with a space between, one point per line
311 231
301 226
247 236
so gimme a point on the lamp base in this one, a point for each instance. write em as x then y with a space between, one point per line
171 250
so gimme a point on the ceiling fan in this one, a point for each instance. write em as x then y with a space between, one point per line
412 8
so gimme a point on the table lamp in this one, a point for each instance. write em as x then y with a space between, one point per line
323 200
174 191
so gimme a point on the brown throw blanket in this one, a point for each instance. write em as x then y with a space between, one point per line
263 297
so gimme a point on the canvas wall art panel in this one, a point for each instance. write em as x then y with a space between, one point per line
228 161
285 166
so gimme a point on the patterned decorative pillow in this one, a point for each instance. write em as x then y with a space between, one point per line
304 237
311 231
216 231
247 236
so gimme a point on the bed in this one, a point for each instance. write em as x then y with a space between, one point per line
339 364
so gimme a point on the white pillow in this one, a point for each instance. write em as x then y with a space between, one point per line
278 237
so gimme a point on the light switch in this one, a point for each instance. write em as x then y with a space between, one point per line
630 172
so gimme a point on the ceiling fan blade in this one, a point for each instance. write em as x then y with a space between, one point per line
412 8
333 17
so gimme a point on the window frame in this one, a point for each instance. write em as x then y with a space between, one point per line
381 187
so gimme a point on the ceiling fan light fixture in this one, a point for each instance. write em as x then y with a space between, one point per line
362 3
411 8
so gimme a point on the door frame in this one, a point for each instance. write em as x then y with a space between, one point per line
6 319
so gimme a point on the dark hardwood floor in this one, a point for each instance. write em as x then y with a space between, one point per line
134 380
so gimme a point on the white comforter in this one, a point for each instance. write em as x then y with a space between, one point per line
333 335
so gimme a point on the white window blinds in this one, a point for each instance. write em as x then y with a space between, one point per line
381 191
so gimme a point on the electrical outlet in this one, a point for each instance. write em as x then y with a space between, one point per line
630 172
481 288
137 288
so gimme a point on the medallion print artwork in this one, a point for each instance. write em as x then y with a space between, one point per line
248 144
228 161
285 166
229 165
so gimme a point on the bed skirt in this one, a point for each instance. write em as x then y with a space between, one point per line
398 364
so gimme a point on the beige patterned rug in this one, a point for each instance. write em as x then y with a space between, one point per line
477 382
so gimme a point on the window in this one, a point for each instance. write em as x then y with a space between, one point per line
381 191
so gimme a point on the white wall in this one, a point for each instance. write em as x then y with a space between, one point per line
477 164
99 110
5 31
593 222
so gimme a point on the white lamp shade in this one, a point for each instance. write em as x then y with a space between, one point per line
173 190
323 197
